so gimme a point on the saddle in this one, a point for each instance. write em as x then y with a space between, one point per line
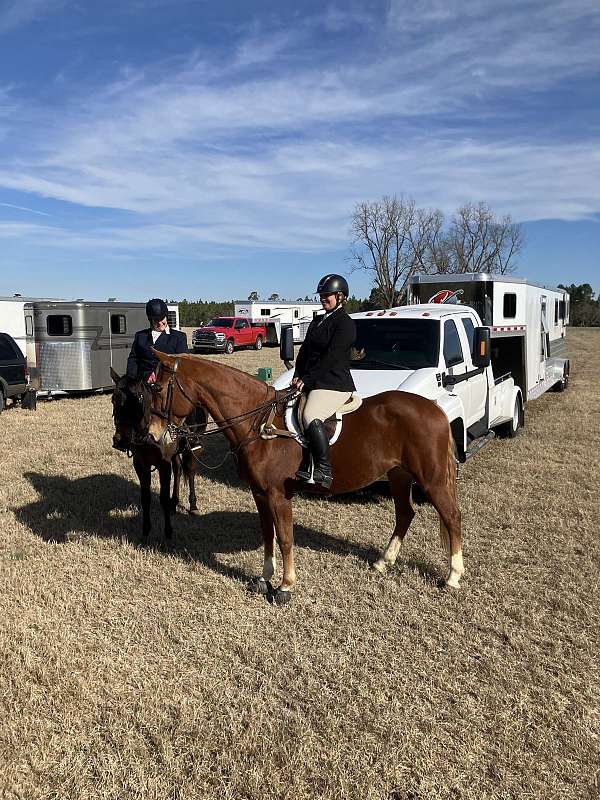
294 427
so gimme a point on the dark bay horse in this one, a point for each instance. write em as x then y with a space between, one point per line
131 413
401 435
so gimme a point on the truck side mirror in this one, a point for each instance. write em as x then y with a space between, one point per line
481 348
286 346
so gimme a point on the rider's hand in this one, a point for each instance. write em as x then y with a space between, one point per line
297 383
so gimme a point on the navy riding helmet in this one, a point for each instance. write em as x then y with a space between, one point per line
156 309
330 284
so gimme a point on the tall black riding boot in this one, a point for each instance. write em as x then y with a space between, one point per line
304 470
319 447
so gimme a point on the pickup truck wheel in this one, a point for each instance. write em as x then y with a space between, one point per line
258 343
511 429
2 402
229 347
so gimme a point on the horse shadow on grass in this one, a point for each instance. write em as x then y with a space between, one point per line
107 506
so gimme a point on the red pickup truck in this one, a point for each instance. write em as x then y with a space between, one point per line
224 334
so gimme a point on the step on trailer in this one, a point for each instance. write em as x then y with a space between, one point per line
527 323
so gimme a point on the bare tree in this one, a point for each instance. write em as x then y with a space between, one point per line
390 239
478 241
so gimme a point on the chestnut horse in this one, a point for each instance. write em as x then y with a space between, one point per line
131 402
401 435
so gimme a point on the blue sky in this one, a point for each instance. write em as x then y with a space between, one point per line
193 149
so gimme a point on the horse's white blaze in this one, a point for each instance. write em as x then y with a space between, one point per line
456 570
269 568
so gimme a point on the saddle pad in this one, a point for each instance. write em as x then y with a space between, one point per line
333 424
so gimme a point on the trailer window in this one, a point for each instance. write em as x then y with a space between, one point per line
171 319
510 305
453 353
118 323
561 312
296 313
556 312
265 312
59 325
28 325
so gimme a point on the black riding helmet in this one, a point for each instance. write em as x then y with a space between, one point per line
330 284
156 309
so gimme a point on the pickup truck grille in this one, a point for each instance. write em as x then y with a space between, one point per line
205 336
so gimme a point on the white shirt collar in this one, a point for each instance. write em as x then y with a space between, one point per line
156 334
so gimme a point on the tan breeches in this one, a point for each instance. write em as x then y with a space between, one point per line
322 403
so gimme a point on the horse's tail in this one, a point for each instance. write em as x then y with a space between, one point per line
451 473
452 464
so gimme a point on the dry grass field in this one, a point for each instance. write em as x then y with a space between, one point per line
128 672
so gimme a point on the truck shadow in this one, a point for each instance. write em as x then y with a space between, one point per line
107 506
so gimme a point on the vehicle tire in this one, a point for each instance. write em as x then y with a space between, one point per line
563 382
2 402
229 347
258 343
511 429
29 400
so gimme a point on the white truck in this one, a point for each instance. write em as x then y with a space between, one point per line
480 375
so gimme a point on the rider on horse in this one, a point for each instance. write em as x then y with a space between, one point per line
323 373
142 363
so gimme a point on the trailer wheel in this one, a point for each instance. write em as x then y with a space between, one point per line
563 382
258 343
229 347
29 400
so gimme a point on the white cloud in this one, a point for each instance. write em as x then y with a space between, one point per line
211 154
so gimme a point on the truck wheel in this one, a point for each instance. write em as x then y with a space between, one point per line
258 343
2 402
229 347
511 429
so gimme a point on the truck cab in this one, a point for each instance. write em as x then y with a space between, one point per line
434 350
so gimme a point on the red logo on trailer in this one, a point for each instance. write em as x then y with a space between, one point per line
446 296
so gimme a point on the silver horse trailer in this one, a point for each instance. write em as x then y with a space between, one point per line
77 342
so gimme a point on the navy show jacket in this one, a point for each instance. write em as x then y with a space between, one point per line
142 361
323 361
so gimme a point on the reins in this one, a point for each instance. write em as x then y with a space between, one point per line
187 432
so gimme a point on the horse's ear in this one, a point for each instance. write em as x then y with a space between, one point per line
114 375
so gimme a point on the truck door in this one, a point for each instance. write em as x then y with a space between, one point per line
456 367
242 332
478 382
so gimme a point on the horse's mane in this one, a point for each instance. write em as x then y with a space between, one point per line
225 367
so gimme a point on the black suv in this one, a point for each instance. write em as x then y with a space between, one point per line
13 374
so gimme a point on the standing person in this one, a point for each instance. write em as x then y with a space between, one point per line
323 373
142 363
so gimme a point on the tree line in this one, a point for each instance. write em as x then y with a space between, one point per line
585 310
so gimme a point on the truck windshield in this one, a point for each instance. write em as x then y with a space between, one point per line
220 322
401 343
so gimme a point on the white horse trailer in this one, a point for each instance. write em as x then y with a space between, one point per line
527 324
275 315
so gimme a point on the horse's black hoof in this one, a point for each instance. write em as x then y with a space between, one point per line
280 597
260 586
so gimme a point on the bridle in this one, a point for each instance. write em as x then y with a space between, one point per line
258 414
